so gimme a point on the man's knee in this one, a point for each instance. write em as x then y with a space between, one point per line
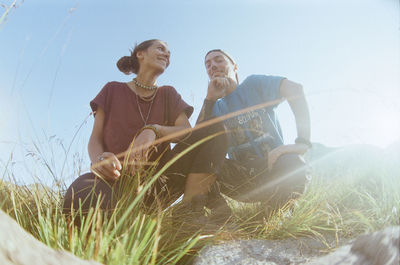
291 173
289 161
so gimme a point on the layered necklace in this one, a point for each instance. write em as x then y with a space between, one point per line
137 83
146 99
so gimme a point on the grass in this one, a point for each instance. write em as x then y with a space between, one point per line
128 236
344 207
353 202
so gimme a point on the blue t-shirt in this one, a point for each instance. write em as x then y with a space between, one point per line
252 134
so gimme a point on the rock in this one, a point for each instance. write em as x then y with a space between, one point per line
19 247
257 252
379 248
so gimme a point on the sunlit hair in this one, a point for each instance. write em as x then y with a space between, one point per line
223 52
130 64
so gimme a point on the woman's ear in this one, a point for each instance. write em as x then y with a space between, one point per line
139 54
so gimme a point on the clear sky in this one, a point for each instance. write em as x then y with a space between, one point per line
55 56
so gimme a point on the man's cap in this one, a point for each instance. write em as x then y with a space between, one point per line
223 52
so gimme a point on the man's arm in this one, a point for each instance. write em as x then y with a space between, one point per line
206 111
217 88
294 94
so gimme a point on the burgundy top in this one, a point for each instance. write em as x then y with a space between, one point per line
122 116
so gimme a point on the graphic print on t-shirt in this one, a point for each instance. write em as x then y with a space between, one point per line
252 134
249 137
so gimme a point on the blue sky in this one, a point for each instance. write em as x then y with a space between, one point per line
56 56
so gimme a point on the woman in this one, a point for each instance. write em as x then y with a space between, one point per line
129 118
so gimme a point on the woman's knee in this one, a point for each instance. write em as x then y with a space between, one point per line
84 193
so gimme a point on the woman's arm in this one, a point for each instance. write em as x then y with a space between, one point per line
181 123
105 164
95 146
143 143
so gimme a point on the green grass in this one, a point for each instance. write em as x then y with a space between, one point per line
344 207
128 236
351 203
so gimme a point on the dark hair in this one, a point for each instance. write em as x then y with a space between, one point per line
223 52
130 64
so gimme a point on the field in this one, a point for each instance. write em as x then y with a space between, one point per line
341 201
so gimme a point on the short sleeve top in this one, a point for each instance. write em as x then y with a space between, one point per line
122 116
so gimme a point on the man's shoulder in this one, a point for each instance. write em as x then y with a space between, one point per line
261 80
253 77
259 77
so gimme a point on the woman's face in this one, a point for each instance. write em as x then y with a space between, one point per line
155 57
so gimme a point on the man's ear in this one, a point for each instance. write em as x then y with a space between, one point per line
235 68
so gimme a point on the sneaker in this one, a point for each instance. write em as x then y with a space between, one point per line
220 210
191 217
192 213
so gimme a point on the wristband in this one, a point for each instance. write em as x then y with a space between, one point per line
301 140
209 101
100 157
153 128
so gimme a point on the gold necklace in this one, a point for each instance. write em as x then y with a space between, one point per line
147 99
150 88
140 110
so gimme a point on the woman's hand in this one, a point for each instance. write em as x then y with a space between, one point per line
141 149
107 166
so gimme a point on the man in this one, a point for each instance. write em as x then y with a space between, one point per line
260 166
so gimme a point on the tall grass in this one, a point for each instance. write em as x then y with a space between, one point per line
345 206
120 238
353 202
128 235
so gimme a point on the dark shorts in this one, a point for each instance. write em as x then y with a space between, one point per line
205 158
252 182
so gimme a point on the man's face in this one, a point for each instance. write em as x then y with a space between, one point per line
218 65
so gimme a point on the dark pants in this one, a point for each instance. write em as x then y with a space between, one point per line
252 182
205 158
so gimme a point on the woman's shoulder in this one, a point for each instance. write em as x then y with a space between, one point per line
115 84
168 90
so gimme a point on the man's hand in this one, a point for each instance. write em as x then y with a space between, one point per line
108 166
274 155
218 87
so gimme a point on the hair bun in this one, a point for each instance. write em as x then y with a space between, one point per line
130 64
125 65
